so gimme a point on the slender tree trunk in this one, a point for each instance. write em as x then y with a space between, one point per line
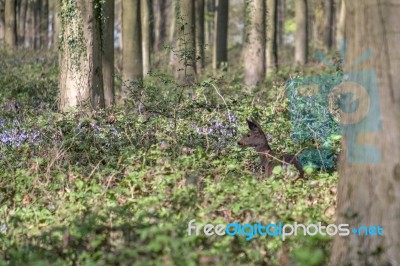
118 23
22 22
211 9
2 22
200 34
37 16
301 49
184 57
281 21
254 47
272 36
162 15
56 24
369 189
11 23
145 6
220 55
132 64
30 25
44 25
328 24
108 53
340 31
81 80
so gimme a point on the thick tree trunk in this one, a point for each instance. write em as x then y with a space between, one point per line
145 6
301 49
200 44
254 46
340 31
184 55
272 36
132 64
108 53
10 23
81 80
369 184
22 22
44 25
220 55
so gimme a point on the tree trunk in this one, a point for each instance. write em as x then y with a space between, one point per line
37 16
55 24
272 36
22 22
369 184
108 53
132 64
220 55
2 22
44 25
30 27
281 22
328 24
301 49
254 46
340 33
145 6
81 80
162 19
11 23
184 55
209 36
200 34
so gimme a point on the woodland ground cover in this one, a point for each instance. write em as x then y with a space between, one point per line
121 185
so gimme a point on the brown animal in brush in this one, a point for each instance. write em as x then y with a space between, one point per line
256 138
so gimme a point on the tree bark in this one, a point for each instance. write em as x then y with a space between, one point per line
281 21
220 55
209 36
254 46
108 53
272 36
200 44
329 10
184 55
340 31
369 191
145 6
37 17
162 20
10 23
2 22
44 25
30 27
22 22
81 79
301 48
132 64
55 9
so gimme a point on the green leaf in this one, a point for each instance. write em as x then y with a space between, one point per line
277 170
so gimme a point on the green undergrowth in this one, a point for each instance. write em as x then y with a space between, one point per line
120 186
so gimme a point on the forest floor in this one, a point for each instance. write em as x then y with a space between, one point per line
120 186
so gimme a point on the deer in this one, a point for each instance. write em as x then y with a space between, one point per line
256 138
